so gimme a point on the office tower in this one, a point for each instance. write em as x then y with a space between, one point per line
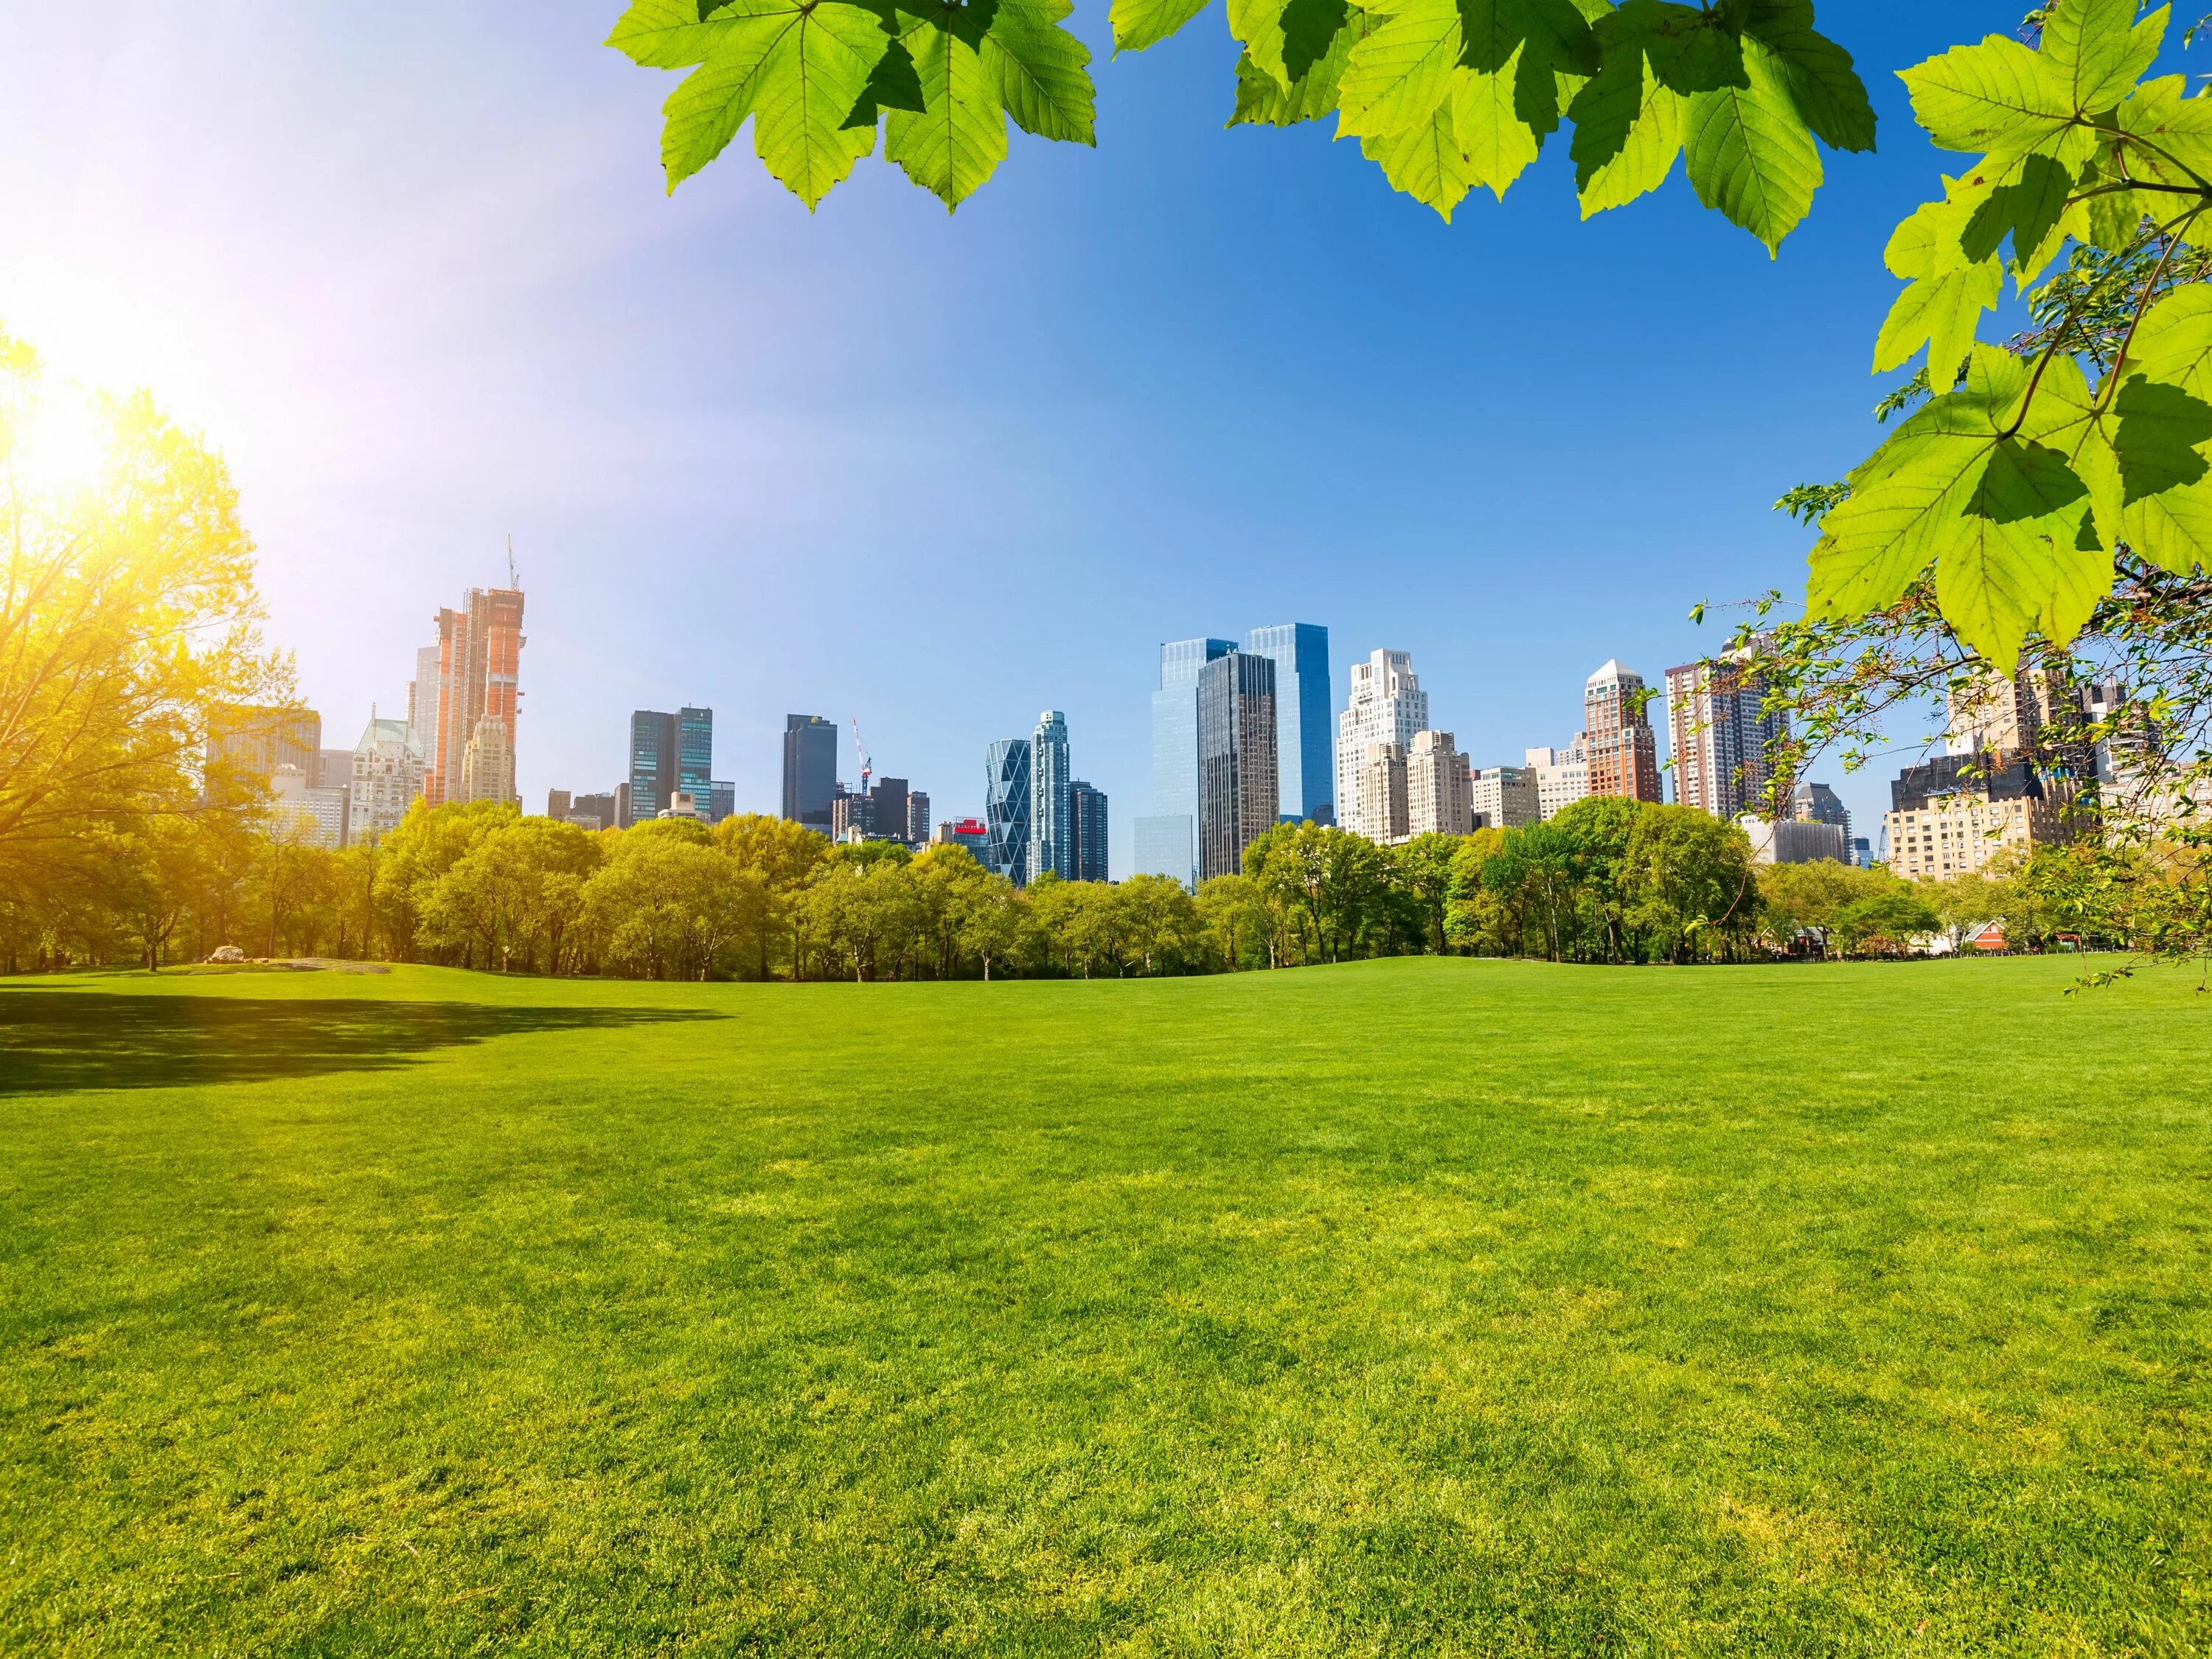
810 770
1305 763
917 817
1086 819
1624 754
1167 842
557 806
309 814
1050 833
387 777
593 812
1861 852
1439 788
1723 738
1562 775
423 701
1382 793
1954 814
1999 713
887 801
848 816
1504 797
1792 840
333 768
695 755
1237 797
971 835
488 763
1006 800
479 666
653 763
722 799
247 742
1387 706
1815 803
623 817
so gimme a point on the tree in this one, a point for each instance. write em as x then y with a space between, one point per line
1598 829
1538 870
1689 883
786 856
994 920
1884 926
1425 870
1239 920
1161 924
1805 897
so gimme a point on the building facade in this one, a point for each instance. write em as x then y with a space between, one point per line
595 811
306 812
479 678
1504 797
1382 809
810 770
1439 787
1562 777
1791 840
722 799
1006 799
653 751
695 755
387 776
488 763
1305 735
1387 706
1052 843
1624 752
1958 814
1167 840
1815 803
971 835
1722 736
1086 817
1237 743
247 743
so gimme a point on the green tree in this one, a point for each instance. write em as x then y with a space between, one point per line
1538 871
1243 927
1887 924
1688 880
1423 870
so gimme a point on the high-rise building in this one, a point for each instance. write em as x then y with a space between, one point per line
1051 833
695 755
623 817
1955 814
653 763
1624 754
1722 737
596 812
1439 787
387 776
479 670
2000 713
1504 797
722 799
1306 738
1006 804
1383 814
334 769
1794 841
1387 706
1167 841
250 743
306 811
1562 776
558 805
971 835
1237 800
810 770
1815 803
917 817
422 702
488 763
1086 820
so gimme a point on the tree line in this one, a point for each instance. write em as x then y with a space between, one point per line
479 885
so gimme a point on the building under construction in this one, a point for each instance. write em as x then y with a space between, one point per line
479 664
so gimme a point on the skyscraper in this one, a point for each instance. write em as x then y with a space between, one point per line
249 742
488 763
917 817
1007 801
1505 797
387 775
1051 834
722 799
1086 817
1383 815
1815 803
810 770
1439 793
479 670
1305 764
1238 799
1167 842
695 755
653 763
1624 755
1562 775
1387 706
1721 737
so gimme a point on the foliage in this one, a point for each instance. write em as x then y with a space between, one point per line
1444 96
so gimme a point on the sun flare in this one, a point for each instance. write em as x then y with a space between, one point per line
61 442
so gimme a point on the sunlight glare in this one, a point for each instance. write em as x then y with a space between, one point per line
62 445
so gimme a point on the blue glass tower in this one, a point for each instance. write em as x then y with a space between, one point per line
1305 738
653 745
1006 808
1167 842
1052 828
695 756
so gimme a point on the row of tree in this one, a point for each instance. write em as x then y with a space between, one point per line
480 885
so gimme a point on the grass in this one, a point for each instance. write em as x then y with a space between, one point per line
1410 1308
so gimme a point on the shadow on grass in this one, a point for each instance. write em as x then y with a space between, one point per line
55 1042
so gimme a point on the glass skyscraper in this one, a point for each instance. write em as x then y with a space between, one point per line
1087 821
1167 842
1237 799
695 756
810 770
1305 738
1052 828
1006 807
653 745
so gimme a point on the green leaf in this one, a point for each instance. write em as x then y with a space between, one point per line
1940 313
1997 96
1997 567
1749 155
1040 71
1628 130
1401 73
2082 573
1426 163
2066 416
958 137
812 79
1823 82
893 83
668 33
1140 23
1287 41
1497 144
2097 51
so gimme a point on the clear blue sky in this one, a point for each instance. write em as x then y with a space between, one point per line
411 267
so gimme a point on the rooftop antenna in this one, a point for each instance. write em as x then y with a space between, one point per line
513 580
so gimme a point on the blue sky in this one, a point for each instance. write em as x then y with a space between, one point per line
411 267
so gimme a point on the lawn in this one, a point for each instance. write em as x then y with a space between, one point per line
1417 1307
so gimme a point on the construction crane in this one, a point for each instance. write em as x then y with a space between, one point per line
867 768
513 580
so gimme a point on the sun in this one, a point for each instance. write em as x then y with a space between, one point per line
62 441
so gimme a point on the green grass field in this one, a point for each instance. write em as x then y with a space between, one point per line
1412 1307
